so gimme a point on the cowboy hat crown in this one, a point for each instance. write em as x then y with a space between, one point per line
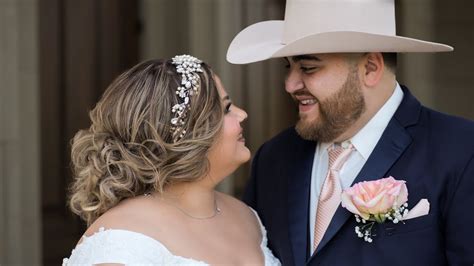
326 26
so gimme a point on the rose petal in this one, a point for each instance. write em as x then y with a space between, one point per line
347 203
403 196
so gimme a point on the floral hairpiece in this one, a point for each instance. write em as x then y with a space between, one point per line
188 66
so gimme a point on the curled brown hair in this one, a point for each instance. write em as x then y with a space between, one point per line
128 149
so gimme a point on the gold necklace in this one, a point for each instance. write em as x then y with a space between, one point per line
217 210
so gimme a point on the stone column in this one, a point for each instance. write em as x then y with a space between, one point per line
20 222
416 70
442 81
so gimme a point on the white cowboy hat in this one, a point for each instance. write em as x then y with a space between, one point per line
326 26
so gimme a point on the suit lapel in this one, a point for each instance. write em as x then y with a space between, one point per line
299 182
390 147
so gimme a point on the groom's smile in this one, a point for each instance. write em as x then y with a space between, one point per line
306 101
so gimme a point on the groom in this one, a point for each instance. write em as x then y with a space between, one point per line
341 57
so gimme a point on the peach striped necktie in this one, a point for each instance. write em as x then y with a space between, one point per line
330 196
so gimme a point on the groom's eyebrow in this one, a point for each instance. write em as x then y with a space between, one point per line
305 57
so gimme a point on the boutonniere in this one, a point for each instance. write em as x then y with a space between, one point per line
378 201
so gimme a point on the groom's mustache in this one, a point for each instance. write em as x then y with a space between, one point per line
302 94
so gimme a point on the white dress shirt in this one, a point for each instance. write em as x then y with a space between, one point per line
364 143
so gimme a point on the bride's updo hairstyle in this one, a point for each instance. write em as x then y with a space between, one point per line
130 148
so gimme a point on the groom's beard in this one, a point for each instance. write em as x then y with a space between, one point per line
337 113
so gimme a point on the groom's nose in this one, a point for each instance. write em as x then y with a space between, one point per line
293 81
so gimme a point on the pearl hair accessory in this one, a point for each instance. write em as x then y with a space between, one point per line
188 66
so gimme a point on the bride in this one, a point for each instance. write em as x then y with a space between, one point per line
164 134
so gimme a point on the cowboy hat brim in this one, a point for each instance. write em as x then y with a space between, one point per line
262 41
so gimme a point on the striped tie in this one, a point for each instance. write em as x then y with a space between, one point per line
330 196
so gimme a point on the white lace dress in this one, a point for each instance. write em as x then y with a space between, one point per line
132 248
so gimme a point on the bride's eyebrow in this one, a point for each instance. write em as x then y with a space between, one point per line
226 98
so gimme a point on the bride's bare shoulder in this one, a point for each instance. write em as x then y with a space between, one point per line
239 208
127 215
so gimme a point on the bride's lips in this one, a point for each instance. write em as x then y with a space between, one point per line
241 138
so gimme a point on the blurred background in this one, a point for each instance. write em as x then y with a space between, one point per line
58 56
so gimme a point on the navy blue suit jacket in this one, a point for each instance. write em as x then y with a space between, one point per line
433 152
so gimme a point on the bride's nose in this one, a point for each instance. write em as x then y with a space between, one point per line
241 113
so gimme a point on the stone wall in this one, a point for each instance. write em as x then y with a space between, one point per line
19 134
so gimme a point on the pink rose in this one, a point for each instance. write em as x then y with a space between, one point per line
375 197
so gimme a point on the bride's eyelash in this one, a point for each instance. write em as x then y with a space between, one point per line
227 108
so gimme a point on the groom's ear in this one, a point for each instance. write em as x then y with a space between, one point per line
373 69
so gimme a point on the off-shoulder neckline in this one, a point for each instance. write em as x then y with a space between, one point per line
103 230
